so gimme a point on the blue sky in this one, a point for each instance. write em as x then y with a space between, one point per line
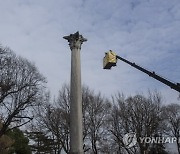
144 31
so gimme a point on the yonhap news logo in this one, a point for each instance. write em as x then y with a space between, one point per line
130 140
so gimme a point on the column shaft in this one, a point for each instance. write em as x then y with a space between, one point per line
76 130
76 144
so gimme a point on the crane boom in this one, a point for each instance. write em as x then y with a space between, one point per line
108 65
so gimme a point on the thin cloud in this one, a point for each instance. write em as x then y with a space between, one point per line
146 32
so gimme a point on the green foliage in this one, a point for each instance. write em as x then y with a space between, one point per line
20 145
43 144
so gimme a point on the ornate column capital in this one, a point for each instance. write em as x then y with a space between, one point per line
75 40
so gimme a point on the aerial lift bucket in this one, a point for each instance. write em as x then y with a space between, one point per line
109 60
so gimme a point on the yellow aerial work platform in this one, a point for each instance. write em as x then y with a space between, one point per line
109 60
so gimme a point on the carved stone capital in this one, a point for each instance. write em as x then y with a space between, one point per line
75 40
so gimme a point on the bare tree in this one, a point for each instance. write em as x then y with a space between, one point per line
95 111
21 87
57 123
136 114
120 124
171 115
62 107
53 119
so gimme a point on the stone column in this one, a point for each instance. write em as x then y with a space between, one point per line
76 130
